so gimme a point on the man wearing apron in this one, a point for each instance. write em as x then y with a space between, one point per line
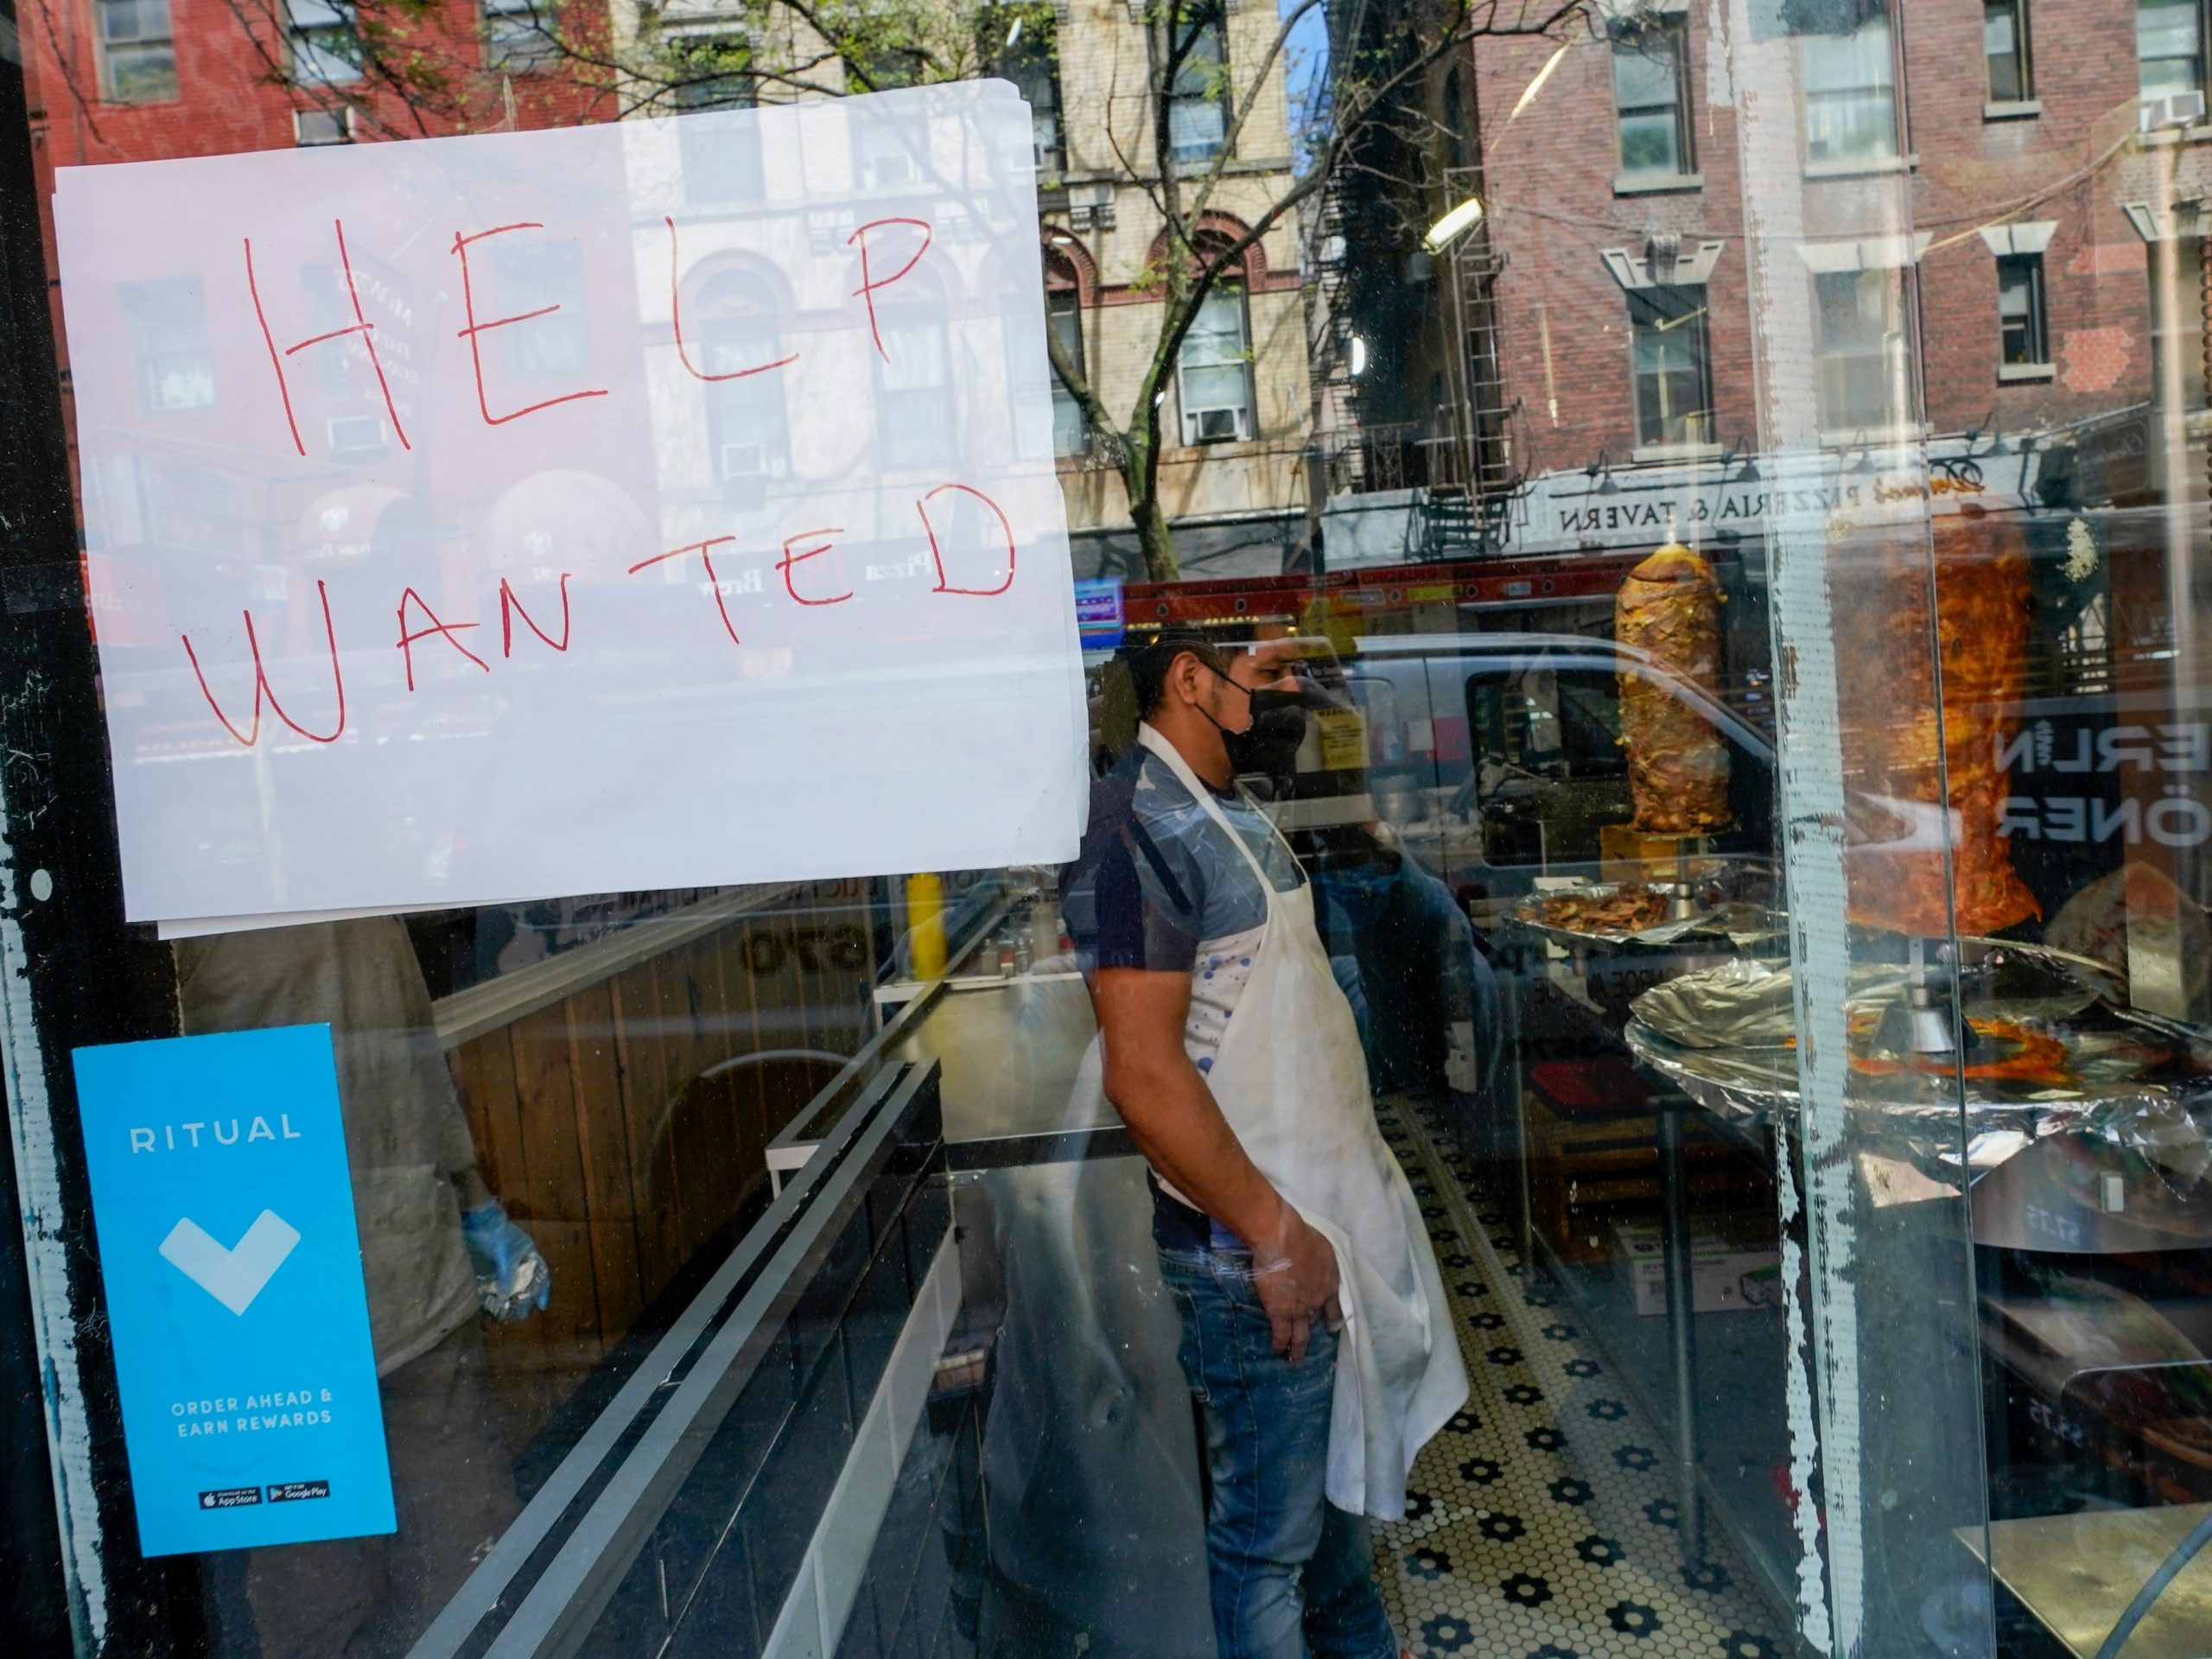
1315 1332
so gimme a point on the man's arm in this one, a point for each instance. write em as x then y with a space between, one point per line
1177 1125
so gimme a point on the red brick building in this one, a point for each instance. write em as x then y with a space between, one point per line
126 80
1993 183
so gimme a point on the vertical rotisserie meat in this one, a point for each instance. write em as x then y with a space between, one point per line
1896 753
1670 609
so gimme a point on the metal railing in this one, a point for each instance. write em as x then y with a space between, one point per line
546 1583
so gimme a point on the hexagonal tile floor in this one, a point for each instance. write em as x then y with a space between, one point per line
1543 1523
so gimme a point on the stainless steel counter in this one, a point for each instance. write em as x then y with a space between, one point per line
2076 1574
1010 1048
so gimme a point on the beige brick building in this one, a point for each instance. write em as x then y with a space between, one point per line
1238 412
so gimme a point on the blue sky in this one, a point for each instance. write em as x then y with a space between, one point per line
1306 54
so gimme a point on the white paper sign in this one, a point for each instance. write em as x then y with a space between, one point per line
658 504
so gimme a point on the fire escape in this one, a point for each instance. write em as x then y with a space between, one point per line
1457 458
1330 351
1471 491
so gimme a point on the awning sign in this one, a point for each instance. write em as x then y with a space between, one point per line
657 505
232 1270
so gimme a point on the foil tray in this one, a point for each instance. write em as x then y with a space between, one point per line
1741 922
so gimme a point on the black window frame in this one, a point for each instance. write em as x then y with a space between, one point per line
1064 317
2021 57
911 433
511 48
1667 32
1187 22
714 71
1033 64
2200 71
1670 310
1896 145
1890 353
117 48
530 272
741 328
2035 325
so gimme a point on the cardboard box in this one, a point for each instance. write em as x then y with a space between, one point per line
1725 1274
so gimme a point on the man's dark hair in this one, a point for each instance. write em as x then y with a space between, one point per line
1148 662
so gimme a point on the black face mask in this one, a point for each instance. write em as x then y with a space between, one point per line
1270 745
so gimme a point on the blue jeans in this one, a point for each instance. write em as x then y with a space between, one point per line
1293 1575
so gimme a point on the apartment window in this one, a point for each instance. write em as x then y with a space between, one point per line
2005 50
519 35
2177 324
2023 337
887 158
1198 92
329 309
720 159
1861 350
532 273
913 377
1672 368
325 50
1455 117
1213 372
137 53
1851 105
1033 66
746 424
1063 316
168 345
880 69
2169 47
1651 98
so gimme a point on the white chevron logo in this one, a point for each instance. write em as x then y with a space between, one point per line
233 1276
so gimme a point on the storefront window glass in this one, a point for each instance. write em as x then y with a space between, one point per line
1164 832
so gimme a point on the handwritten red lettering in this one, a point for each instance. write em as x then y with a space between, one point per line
937 555
444 629
262 688
675 322
713 581
866 292
460 246
360 326
792 559
511 607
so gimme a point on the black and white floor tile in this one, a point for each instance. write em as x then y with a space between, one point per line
1543 1523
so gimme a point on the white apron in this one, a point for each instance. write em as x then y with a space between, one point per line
1291 1079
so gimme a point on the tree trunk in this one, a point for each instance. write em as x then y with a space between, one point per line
1151 524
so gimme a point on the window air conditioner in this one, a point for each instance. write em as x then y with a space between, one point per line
745 460
1231 424
356 435
332 126
2171 109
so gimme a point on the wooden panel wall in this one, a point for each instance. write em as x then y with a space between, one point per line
624 1126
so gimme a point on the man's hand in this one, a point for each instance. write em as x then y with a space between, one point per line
1295 1274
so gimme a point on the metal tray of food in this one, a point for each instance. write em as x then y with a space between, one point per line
1607 915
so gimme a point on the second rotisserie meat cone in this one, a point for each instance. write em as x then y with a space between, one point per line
1897 757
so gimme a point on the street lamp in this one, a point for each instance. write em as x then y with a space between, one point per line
1451 224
